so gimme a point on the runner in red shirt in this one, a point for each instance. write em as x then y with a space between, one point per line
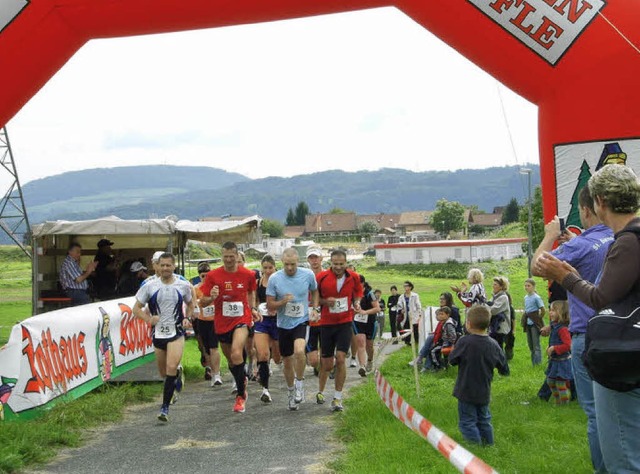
233 291
340 293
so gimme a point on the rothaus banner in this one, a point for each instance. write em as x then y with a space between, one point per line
69 352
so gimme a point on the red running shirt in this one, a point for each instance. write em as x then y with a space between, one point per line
232 304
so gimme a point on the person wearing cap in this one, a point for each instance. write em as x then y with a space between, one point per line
73 279
314 259
130 281
105 279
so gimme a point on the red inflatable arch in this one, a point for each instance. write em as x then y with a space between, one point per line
578 60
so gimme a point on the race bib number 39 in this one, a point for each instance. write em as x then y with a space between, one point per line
232 309
294 310
340 305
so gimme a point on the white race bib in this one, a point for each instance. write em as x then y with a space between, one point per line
209 312
232 309
340 305
165 330
394 308
361 318
262 308
294 310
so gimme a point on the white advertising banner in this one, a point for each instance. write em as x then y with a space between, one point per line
70 351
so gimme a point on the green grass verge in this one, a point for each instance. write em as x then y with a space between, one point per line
531 435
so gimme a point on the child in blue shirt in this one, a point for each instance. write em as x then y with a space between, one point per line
532 320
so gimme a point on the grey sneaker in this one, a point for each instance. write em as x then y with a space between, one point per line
299 394
336 405
234 389
293 406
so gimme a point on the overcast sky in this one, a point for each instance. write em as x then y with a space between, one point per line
361 90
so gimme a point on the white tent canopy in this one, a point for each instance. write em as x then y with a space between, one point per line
111 225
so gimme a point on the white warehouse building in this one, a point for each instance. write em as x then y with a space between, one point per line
442 251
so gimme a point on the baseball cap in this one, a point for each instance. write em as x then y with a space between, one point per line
104 243
136 267
156 256
314 251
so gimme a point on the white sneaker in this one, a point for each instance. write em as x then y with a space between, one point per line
353 363
216 380
299 393
293 406
234 389
266 396
412 363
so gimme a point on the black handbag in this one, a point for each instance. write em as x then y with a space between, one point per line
612 345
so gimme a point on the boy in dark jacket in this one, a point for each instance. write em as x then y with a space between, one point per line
477 355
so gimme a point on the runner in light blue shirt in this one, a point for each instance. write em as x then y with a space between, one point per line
288 294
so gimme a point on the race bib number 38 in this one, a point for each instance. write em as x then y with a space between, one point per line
232 309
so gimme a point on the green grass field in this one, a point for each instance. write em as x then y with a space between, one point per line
531 435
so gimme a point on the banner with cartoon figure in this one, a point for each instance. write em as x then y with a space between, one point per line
69 352
575 163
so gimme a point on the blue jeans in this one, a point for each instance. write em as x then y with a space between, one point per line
533 340
584 389
425 351
474 422
78 297
618 415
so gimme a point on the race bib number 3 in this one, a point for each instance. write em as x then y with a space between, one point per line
165 330
294 310
339 306
232 309
361 318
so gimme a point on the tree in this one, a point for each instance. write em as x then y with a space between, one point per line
291 218
274 228
447 217
537 220
368 228
511 212
583 178
302 209
337 210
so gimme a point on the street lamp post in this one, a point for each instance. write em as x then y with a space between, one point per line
528 172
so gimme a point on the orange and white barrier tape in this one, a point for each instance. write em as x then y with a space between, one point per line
465 461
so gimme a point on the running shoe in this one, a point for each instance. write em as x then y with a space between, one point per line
411 363
369 366
316 372
180 379
299 394
266 396
353 363
174 397
332 374
239 406
217 381
362 371
293 406
164 413
207 373
336 405
234 389
253 378
319 398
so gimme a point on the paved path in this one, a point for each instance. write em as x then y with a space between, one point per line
204 435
